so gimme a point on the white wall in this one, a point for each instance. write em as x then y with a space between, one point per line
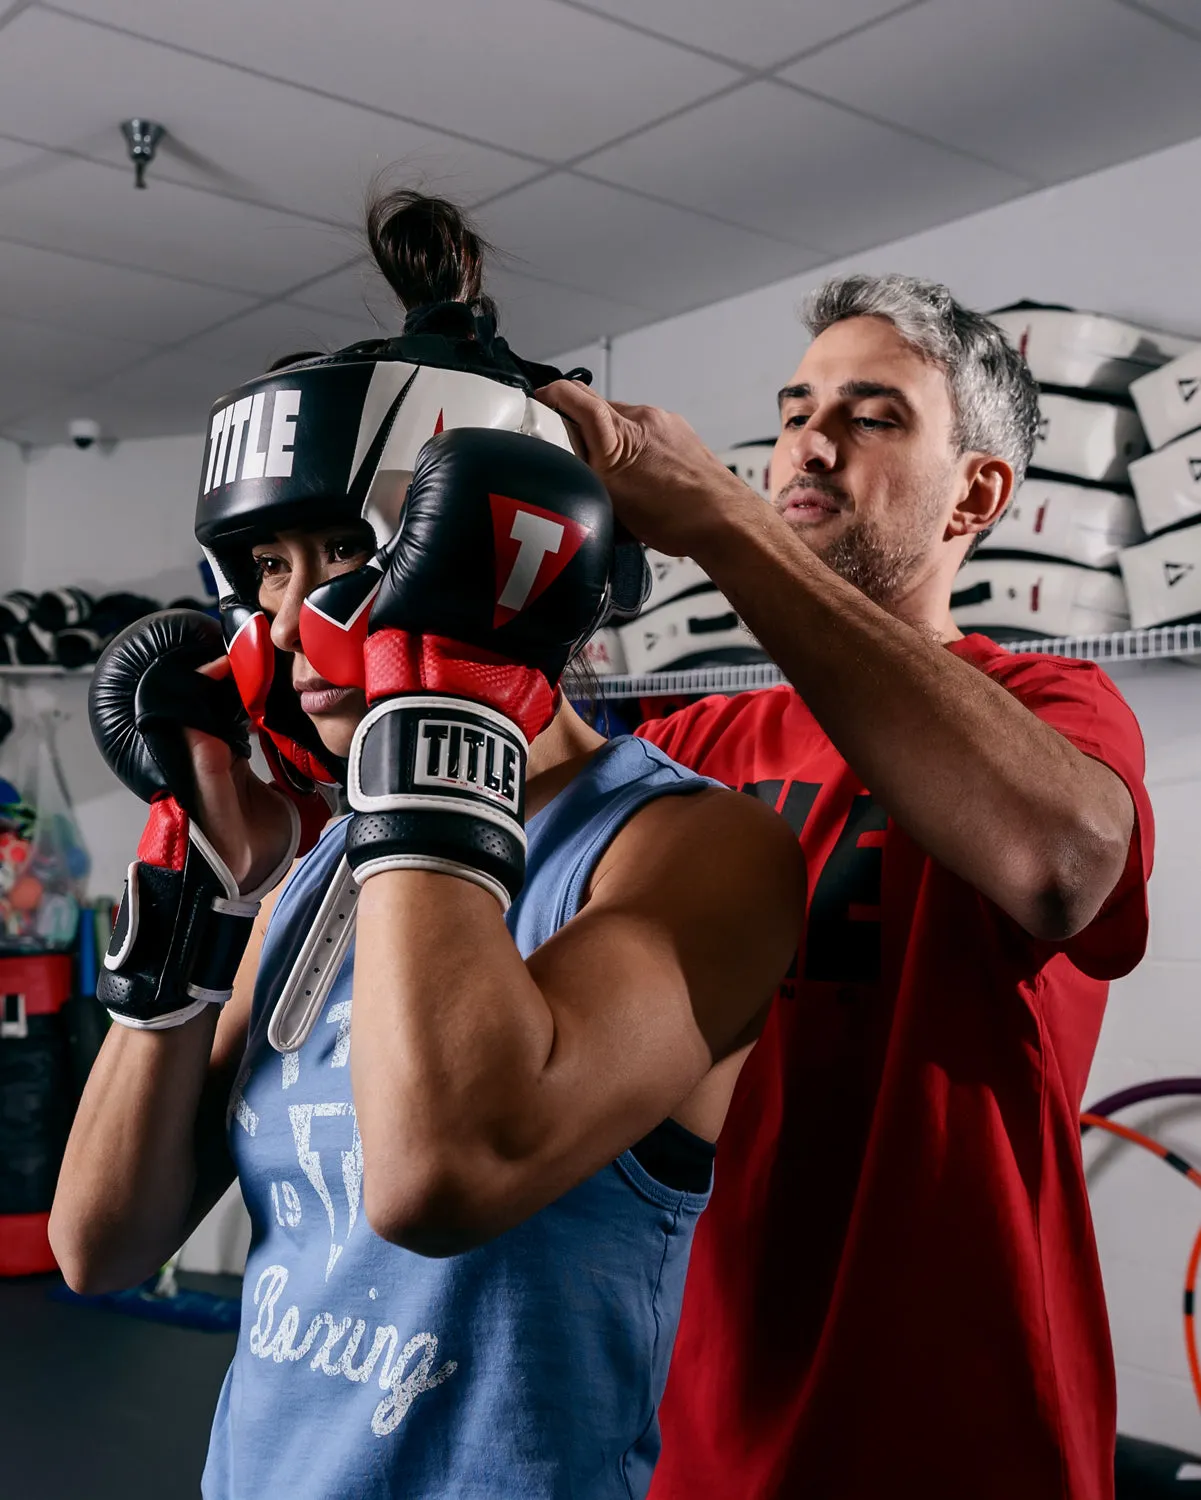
114 517
1146 1215
1122 241
12 515
108 519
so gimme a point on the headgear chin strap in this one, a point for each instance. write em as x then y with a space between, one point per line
333 441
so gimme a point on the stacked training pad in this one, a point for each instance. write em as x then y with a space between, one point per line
1050 567
81 643
65 626
686 622
1163 575
752 463
22 639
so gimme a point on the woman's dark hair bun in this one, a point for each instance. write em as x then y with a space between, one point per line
427 249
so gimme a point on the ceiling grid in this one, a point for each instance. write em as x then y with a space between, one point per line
632 159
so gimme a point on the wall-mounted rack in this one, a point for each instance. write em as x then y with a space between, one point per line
1160 644
16 670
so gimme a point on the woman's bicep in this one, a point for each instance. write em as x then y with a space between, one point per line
716 881
692 921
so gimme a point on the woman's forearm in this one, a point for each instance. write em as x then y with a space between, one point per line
130 1174
487 1084
449 1027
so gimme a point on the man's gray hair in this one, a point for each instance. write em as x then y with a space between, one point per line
993 394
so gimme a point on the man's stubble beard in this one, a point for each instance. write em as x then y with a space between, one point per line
865 558
877 564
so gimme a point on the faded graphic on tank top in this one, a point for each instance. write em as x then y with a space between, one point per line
531 1365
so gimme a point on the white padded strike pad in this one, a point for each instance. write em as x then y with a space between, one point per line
1169 400
1087 439
1037 598
1163 578
1167 484
671 577
605 654
1066 522
697 627
752 463
1087 350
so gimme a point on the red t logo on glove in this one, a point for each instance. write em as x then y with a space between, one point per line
533 546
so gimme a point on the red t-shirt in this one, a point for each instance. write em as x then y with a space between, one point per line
895 1290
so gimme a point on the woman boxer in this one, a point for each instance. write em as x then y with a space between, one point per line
472 1208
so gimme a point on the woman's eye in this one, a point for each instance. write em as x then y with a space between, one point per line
346 549
266 566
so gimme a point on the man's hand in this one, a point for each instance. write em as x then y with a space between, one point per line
666 486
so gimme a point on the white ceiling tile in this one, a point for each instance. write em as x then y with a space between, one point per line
759 34
173 391
176 231
539 319
247 345
163 394
64 353
1062 88
34 409
269 142
16 158
829 180
357 292
1054 91
1183 12
530 75
23 400
40 361
106 301
650 255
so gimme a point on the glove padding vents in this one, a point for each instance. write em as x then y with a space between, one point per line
317 964
125 928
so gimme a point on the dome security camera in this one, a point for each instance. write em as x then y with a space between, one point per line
83 432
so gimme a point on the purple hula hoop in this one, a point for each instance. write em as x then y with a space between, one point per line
1140 1093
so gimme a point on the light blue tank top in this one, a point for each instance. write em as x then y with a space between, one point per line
530 1367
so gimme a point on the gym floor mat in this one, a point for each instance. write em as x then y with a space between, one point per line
95 1404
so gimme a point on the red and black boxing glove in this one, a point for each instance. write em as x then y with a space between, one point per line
183 923
498 574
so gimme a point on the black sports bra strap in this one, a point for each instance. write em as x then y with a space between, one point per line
676 1157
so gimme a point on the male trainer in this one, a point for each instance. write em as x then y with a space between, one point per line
896 1290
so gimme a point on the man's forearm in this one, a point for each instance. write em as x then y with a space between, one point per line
977 780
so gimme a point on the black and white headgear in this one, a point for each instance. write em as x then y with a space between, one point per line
333 440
